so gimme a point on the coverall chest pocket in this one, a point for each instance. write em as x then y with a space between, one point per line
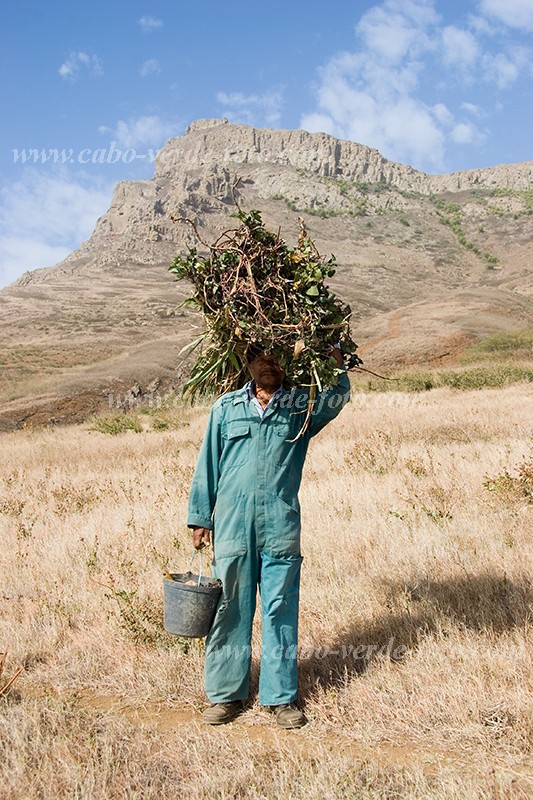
236 445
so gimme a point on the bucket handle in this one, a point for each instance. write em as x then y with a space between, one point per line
199 554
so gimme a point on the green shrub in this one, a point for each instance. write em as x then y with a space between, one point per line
405 382
486 376
417 382
500 346
512 488
492 261
324 211
489 376
526 195
116 423
161 423
167 421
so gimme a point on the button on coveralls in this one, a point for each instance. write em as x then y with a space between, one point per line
245 490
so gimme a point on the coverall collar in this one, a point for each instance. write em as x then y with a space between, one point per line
244 395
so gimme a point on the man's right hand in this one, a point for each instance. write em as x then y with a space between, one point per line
201 537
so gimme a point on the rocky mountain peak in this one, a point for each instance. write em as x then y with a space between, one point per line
216 142
203 124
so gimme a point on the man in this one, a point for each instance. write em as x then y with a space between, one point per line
244 499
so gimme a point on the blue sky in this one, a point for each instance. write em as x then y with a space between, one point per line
438 84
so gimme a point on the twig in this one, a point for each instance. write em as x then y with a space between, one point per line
9 684
307 420
383 378
234 194
193 226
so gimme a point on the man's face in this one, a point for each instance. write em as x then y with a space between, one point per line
266 372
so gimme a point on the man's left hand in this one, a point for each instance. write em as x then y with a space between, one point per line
336 354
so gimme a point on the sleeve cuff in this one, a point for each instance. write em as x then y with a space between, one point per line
200 522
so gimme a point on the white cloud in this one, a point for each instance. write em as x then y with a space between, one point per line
472 108
442 114
20 255
43 218
397 124
397 27
500 69
460 132
148 131
388 92
371 95
514 13
481 26
149 24
465 133
320 123
70 69
460 47
150 67
252 109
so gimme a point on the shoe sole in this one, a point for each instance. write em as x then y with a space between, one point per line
289 727
221 721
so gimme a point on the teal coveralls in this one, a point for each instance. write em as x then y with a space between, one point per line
245 489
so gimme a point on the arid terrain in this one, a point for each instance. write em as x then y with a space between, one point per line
415 666
416 638
430 264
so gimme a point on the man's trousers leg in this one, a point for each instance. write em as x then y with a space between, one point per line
279 588
228 644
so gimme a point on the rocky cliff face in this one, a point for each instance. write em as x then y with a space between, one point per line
195 173
208 143
449 254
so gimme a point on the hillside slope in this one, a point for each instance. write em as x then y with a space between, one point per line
429 263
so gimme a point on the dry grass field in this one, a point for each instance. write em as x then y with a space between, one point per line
416 618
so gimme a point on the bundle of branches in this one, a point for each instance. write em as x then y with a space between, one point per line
258 294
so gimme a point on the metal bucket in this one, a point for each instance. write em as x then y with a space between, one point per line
189 609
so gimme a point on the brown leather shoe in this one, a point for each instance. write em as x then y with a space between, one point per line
221 713
289 716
